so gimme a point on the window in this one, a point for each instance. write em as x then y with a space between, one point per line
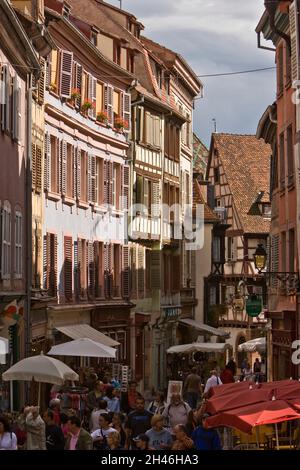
116 274
36 161
117 104
83 176
82 263
282 162
280 70
290 153
187 188
18 245
216 250
283 252
55 65
99 269
117 53
99 98
6 242
70 171
288 67
130 62
50 263
94 38
152 131
158 76
167 85
266 210
216 175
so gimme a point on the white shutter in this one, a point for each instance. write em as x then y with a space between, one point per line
109 107
19 111
3 95
78 173
148 123
59 165
294 33
125 187
74 154
140 124
78 85
157 139
155 203
127 110
89 163
47 166
66 74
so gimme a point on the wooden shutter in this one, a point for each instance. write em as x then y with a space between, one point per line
111 182
80 266
105 182
63 167
183 264
108 101
133 271
46 261
175 273
155 269
76 269
91 270
33 166
125 272
140 124
125 187
7 98
47 166
294 33
274 259
59 165
78 83
92 93
157 137
146 196
92 170
68 267
15 102
78 173
74 157
126 108
106 270
48 71
41 82
53 265
3 70
66 74
148 130
155 202
141 272
99 268
38 169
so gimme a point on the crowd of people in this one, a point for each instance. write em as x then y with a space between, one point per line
115 419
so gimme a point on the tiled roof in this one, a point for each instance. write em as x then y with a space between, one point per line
198 198
246 162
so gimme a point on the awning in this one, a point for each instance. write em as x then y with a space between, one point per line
203 347
254 345
202 327
86 331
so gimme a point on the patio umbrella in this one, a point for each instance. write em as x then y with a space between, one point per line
41 369
247 417
83 347
225 389
239 397
257 344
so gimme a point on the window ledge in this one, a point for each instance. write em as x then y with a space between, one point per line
53 196
69 201
83 205
99 209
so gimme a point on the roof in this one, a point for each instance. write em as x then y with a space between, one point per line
203 327
246 163
198 198
200 155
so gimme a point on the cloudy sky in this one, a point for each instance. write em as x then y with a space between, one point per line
215 36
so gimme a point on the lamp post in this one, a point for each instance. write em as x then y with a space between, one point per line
260 258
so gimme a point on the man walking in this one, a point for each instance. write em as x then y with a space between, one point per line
213 381
192 388
54 436
177 412
138 422
78 439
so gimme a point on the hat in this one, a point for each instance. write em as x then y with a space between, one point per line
141 437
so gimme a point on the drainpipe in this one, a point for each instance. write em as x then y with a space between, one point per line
271 7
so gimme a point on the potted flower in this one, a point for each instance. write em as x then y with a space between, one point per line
102 117
53 87
88 104
75 94
121 123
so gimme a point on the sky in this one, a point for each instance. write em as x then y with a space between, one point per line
215 36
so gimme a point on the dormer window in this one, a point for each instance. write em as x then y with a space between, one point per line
167 85
266 210
117 53
158 76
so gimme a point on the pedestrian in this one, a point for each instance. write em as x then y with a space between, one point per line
227 376
177 411
8 439
206 439
128 399
99 410
248 372
114 441
35 428
141 442
257 369
192 422
192 388
159 437
232 365
78 438
182 440
55 439
94 396
54 406
113 402
213 381
117 424
138 422
157 405
100 435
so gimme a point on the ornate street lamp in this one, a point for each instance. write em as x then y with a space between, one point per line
260 258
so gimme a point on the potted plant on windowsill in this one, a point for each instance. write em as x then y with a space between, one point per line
75 95
120 124
88 104
102 118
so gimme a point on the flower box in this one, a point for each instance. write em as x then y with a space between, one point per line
88 104
75 94
102 117
121 123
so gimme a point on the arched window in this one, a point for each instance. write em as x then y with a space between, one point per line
6 241
18 244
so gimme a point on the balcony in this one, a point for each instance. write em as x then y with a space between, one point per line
187 296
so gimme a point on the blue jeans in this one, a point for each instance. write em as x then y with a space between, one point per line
192 399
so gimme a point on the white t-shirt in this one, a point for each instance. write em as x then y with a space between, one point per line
213 381
102 433
177 414
8 441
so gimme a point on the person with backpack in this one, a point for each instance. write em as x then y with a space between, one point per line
100 435
177 412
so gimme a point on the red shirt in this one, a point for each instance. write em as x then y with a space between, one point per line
227 376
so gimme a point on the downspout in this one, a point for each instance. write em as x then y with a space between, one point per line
271 7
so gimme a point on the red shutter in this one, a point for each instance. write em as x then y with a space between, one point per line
108 101
125 187
66 74
127 110
76 269
125 272
133 272
68 267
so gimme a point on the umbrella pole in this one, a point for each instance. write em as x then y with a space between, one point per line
257 436
277 437
39 395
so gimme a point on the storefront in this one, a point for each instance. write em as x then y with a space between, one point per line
283 334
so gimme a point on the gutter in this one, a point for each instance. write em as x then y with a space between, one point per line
271 7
